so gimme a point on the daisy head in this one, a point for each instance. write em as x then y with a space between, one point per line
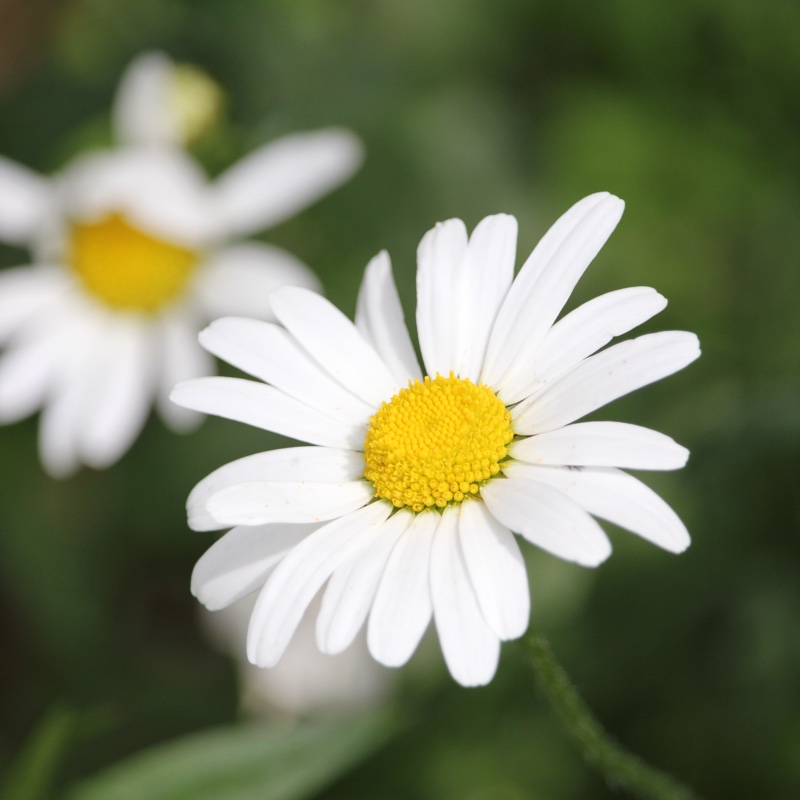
408 503
133 250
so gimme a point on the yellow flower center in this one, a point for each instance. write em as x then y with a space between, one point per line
436 442
127 268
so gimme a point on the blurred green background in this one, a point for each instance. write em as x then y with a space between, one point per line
690 111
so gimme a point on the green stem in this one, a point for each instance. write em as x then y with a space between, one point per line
621 768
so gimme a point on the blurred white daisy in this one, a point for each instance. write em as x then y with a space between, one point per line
133 251
406 502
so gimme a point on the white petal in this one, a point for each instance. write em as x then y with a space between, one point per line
602 444
236 280
279 179
259 502
315 464
334 342
182 359
544 284
439 258
604 377
471 650
352 588
546 518
142 111
402 607
241 560
296 580
486 275
380 320
121 392
26 292
619 498
269 353
265 407
160 190
581 333
496 569
25 200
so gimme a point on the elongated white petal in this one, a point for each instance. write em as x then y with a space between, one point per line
241 560
602 444
25 199
237 279
121 393
496 570
439 258
281 178
334 342
402 608
268 352
26 292
142 113
296 580
352 588
265 407
581 333
617 497
604 377
259 502
182 359
313 464
486 276
546 518
545 282
471 650
380 320
160 190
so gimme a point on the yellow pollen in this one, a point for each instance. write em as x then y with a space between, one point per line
127 268
436 442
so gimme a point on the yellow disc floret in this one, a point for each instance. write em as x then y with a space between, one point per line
436 442
127 268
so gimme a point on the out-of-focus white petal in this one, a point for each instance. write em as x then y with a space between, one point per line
265 407
471 650
544 284
581 333
142 113
236 280
25 200
486 276
241 560
546 518
120 391
161 191
601 444
281 178
379 319
296 580
314 464
604 377
617 497
496 570
352 588
334 341
402 608
259 502
26 292
182 359
439 258
269 353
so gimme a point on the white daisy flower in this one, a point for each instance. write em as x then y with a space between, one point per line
407 501
133 251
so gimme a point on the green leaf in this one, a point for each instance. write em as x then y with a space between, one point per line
32 776
243 762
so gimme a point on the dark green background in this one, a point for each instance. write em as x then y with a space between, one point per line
690 111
